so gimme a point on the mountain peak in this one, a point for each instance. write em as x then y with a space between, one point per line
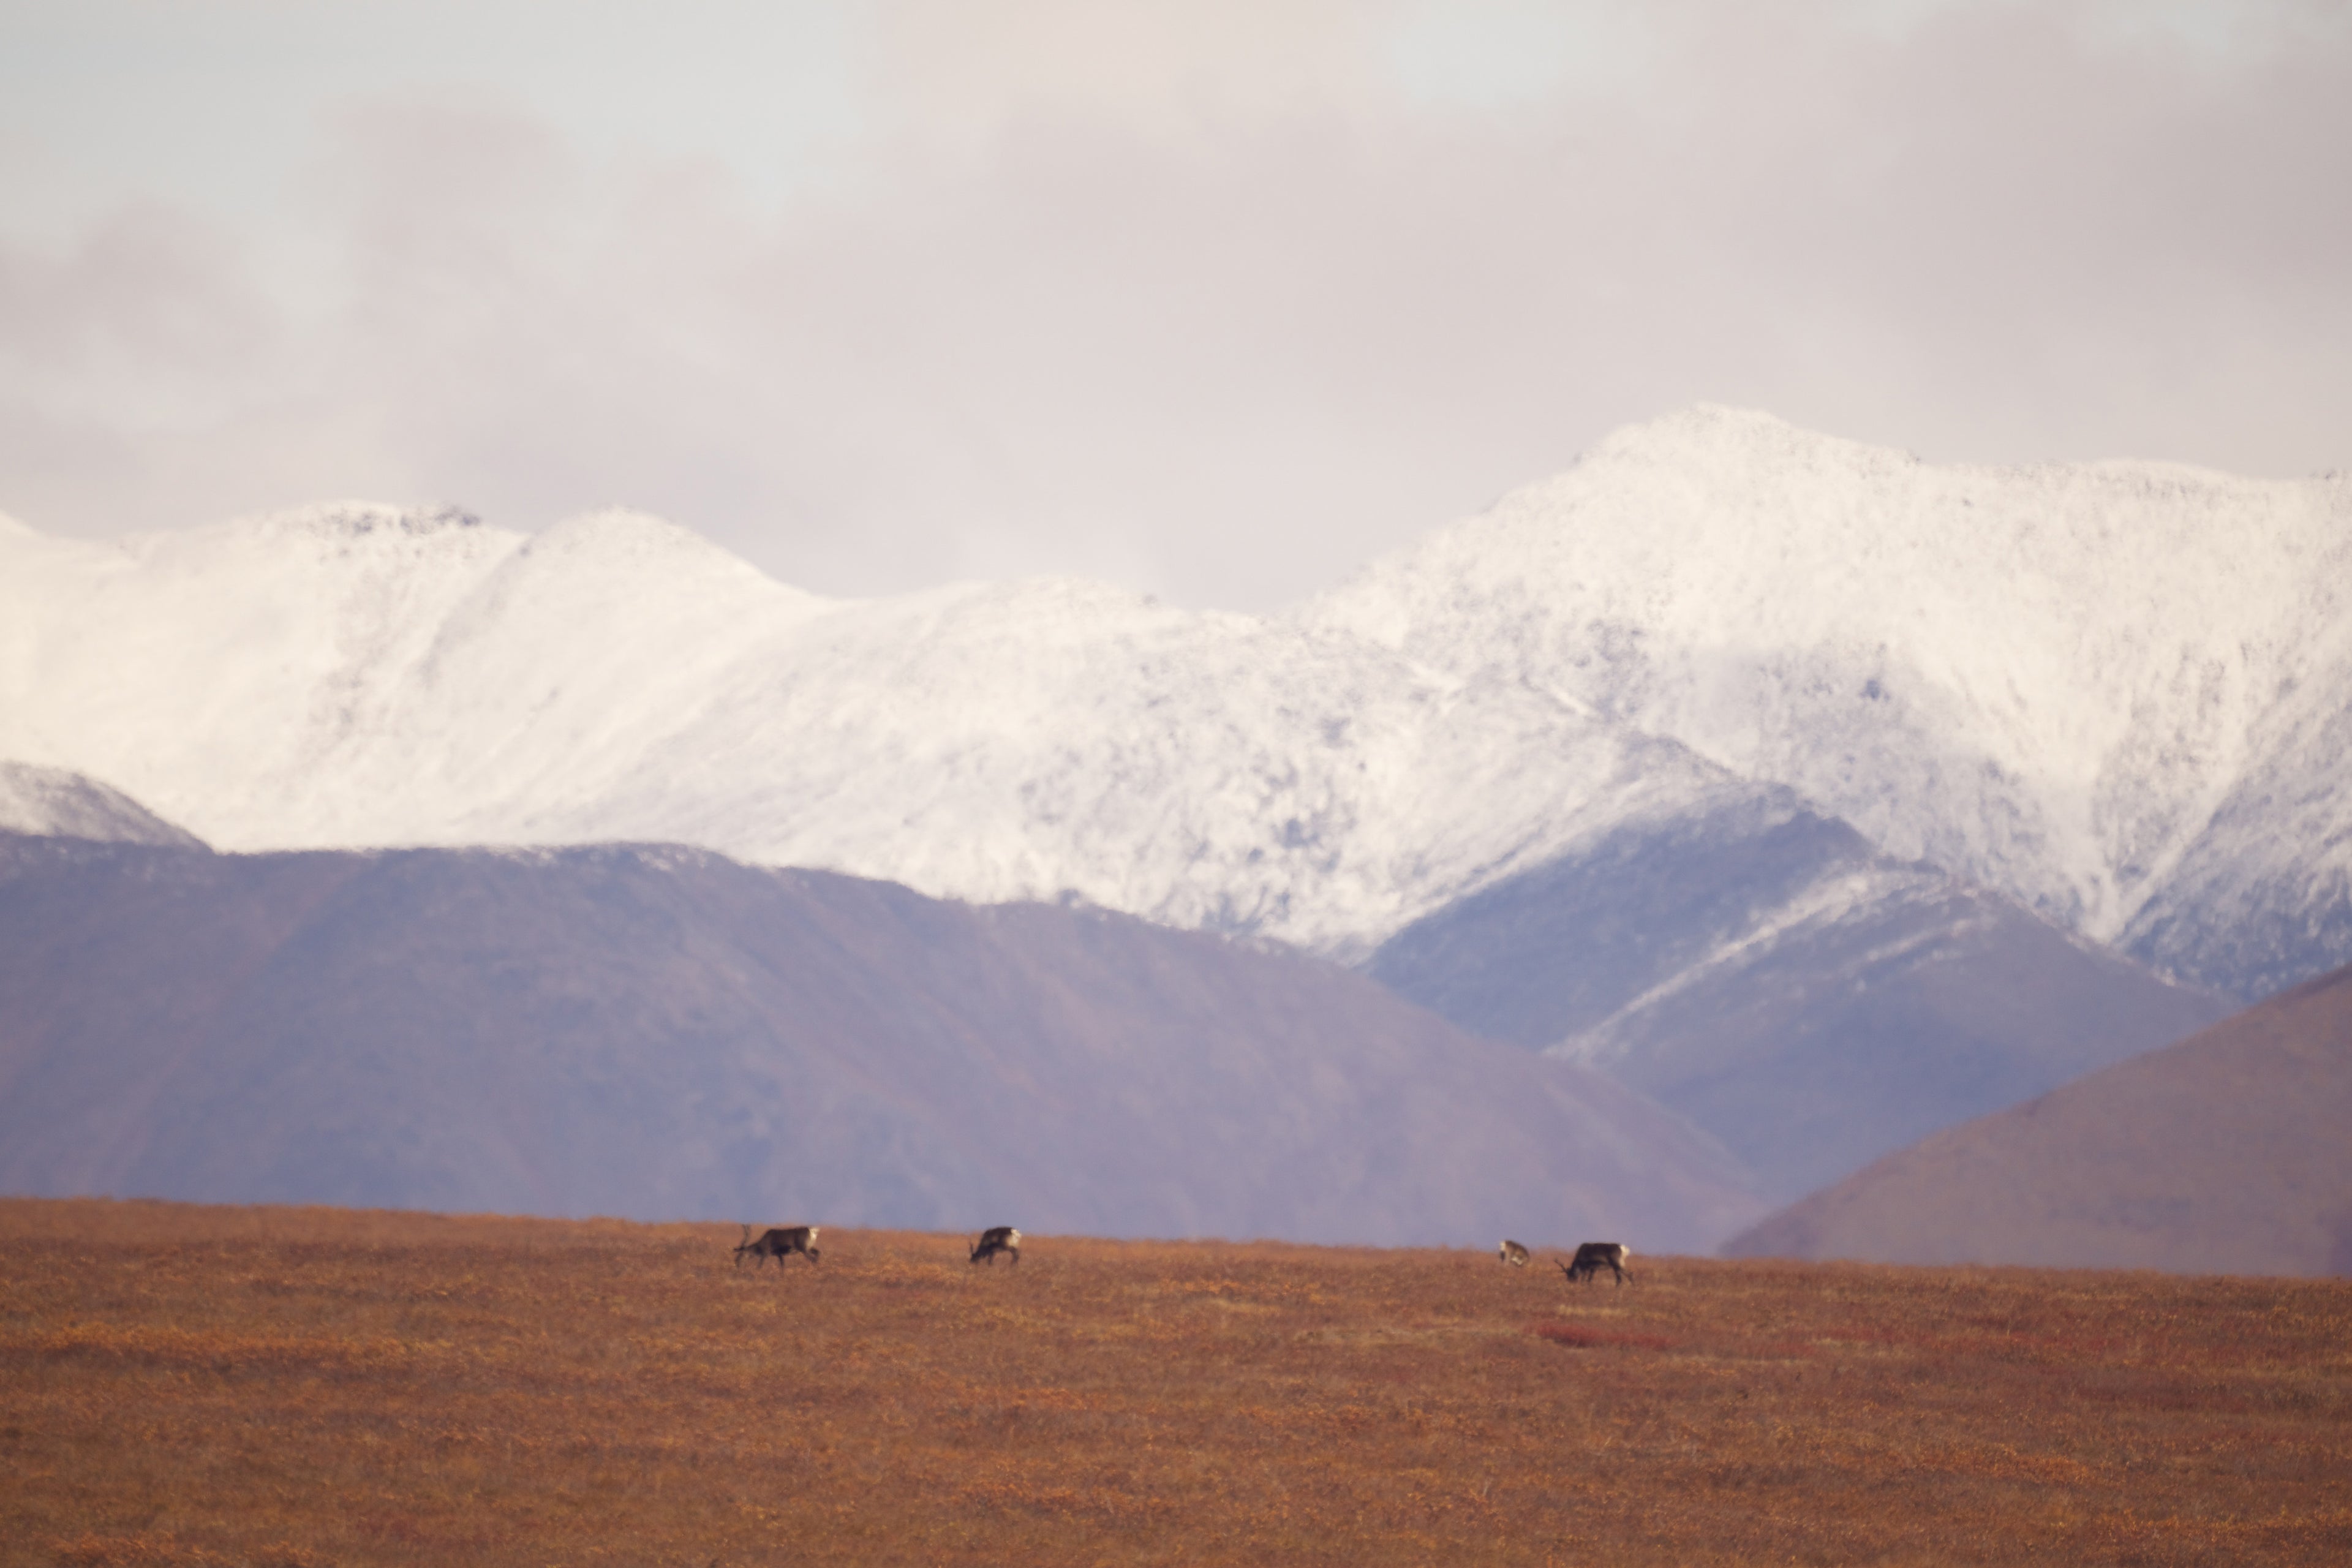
1710 433
620 528
2046 678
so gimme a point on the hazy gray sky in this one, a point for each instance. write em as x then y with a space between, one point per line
1214 300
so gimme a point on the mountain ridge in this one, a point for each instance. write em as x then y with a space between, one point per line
983 741
2075 685
2048 680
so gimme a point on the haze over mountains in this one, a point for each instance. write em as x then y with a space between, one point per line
1828 796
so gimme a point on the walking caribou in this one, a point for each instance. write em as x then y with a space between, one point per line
778 1243
1595 1256
999 1238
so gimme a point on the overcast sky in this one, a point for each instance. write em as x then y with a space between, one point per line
1216 300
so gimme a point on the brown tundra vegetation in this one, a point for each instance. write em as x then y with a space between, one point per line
218 1386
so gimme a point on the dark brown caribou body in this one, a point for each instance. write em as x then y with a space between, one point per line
1001 1238
778 1243
1595 1256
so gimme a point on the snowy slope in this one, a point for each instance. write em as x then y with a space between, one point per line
2046 680
358 675
52 802
2262 897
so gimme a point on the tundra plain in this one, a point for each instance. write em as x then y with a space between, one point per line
222 1385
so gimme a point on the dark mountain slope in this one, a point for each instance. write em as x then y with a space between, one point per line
650 1031
1766 972
2231 1152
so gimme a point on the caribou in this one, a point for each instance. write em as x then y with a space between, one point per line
1593 1256
1512 1253
999 1238
778 1243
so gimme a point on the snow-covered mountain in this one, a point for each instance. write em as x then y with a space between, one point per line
366 676
2117 691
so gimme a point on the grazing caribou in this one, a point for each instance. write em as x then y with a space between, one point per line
1512 1253
1595 1256
1001 1238
778 1243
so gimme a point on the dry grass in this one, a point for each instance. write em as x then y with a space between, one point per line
281 1386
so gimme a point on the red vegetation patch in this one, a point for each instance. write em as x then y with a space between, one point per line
1581 1336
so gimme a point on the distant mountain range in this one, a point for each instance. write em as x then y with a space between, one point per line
1827 796
657 1032
2226 1155
2116 693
